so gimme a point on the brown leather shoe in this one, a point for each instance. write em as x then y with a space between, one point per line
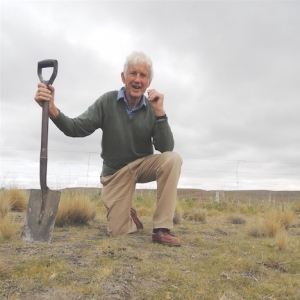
137 222
165 237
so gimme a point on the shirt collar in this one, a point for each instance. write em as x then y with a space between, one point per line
121 94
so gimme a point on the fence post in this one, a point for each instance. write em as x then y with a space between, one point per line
217 196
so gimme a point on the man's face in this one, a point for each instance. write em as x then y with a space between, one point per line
136 81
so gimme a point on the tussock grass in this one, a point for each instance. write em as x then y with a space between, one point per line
198 215
272 222
17 199
272 225
236 219
267 227
282 240
287 217
256 229
75 208
5 206
12 200
8 227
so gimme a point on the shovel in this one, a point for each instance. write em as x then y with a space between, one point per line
43 204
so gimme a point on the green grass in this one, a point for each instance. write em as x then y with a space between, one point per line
218 258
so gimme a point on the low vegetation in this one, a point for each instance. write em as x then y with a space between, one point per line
230 250
75 208
271 222
12 200
8 227
5 206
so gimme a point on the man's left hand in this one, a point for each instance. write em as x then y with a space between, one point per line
157 101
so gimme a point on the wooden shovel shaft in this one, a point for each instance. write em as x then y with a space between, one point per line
44 147
44 157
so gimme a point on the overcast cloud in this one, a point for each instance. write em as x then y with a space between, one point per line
229 71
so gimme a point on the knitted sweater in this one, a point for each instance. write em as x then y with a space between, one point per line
123 140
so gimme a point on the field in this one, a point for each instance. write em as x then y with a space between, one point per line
243 246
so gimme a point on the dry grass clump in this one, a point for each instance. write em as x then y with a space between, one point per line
5 206
17 199
236 219
287 218
257 229
8 227
13 199
271 223
265 227
75 208
272 226
198 215
282 239
296 207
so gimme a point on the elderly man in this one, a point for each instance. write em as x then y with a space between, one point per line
132 124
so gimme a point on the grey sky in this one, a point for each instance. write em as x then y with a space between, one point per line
229 71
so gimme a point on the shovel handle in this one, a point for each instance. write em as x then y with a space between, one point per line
45 121
47 63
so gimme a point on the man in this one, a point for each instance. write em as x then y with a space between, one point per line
131 123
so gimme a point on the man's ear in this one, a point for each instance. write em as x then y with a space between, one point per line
123 77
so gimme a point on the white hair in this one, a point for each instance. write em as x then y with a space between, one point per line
138 57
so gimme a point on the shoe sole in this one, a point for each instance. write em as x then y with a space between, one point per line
166 244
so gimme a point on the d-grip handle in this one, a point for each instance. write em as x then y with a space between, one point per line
47 63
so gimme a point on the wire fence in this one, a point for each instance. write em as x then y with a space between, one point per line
20 168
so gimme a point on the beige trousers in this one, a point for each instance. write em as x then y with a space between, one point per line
118 189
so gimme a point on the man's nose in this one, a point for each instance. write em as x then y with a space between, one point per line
137 77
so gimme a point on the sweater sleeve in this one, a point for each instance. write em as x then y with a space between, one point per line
163 137
83 125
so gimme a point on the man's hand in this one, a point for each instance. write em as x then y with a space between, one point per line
157 101
45 94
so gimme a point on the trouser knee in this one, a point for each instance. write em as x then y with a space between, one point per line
172 159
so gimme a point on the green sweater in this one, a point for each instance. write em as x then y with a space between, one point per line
124 140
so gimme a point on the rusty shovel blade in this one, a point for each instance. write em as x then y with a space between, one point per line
40 215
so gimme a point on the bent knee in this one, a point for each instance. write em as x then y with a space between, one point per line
172 157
